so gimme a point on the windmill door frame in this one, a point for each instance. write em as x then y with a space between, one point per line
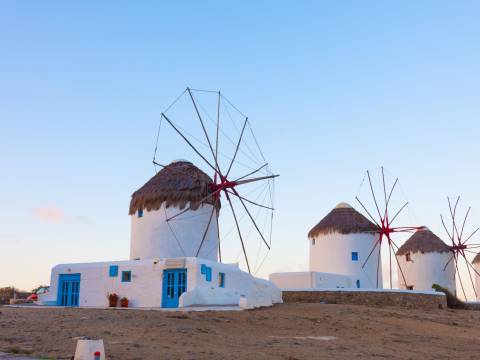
68 292
174 285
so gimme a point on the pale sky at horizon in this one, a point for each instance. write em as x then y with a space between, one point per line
332 89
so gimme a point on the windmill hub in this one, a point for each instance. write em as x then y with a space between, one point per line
386 230
224 184
459 247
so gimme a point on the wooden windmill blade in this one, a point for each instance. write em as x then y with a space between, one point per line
240 173
461 246
385 222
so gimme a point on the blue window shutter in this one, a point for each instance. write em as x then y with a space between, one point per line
140 213
203 269
208 275
354 256
126 276
358 283
221 279
113 271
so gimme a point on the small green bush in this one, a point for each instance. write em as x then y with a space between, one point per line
452 301
6 293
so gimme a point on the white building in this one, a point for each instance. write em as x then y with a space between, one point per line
476 266
423 259
173 260
339 246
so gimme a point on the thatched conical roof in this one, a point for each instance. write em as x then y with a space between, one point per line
176 184
476 259
343 219
423 241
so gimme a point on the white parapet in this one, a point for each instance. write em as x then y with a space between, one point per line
311 280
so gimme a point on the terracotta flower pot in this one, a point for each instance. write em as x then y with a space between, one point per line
112 300
124 302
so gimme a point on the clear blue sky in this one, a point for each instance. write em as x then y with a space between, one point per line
333 88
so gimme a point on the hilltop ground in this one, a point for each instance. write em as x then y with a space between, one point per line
287 331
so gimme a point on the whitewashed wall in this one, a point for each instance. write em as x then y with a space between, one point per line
426 269
152 237
310 280
476 266
332 253
241 288
145 288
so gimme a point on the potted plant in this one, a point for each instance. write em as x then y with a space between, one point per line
124 302
112 300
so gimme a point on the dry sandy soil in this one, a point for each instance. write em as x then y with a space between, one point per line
287 331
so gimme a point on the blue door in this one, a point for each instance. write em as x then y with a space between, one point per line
68 289
174 285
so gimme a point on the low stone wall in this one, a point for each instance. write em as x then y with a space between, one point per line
20 301
472 306
368 298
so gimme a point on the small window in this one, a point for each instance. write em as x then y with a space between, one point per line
354 256
113 271
208 274
140 213
126 276
203 269
408 257
358 284
313 241
221 279
409 287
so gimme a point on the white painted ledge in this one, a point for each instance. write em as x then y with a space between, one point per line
368 290
185 309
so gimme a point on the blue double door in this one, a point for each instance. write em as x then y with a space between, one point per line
68 289
174 285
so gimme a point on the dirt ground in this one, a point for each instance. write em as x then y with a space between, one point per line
287 331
